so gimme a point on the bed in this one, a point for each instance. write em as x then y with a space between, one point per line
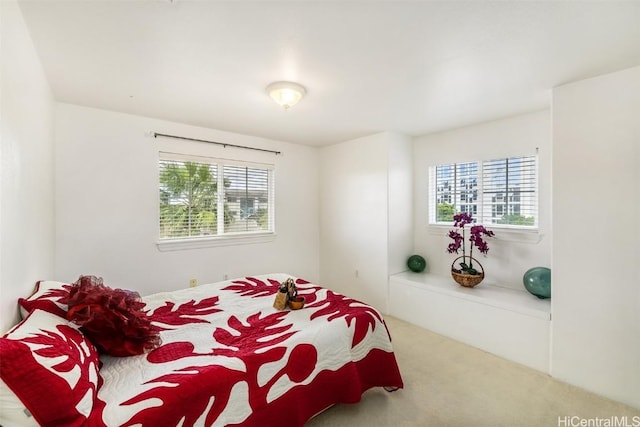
227 357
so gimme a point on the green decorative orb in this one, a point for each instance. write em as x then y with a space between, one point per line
416 263
537 280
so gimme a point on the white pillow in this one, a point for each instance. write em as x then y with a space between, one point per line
45 297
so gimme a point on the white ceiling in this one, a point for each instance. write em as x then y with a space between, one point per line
410 67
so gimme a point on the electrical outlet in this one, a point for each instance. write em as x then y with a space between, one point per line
357 274
225 277
193 283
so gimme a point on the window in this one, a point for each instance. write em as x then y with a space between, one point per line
194 190
246 193
497 192
456 190
510 191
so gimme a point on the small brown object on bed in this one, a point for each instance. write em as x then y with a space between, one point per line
282 296
281 301
296 303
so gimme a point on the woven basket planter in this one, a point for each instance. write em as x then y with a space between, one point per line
467 280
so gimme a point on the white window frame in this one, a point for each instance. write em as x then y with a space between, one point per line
221 238
480 198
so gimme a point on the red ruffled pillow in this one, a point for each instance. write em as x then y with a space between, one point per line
113 319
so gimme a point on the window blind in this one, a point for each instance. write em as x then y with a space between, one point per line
456 190
248 193
188 199
498 192
202 197
510 191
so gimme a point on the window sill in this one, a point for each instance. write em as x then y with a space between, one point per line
533 236
209 242
517 301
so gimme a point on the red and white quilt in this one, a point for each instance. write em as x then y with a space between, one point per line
229 358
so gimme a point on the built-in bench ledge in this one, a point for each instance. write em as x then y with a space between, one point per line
486 293
507 322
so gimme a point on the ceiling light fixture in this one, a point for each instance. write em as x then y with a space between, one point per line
286 94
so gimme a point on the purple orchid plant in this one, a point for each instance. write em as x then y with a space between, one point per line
476 232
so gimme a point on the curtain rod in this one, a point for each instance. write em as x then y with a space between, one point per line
225 145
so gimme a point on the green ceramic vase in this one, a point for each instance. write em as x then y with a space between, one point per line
416 263
537 280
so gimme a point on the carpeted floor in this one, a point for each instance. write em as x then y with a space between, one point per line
448 383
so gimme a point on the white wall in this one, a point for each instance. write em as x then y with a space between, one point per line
107 204
364 229
26 171
400 203
596 217
510 254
